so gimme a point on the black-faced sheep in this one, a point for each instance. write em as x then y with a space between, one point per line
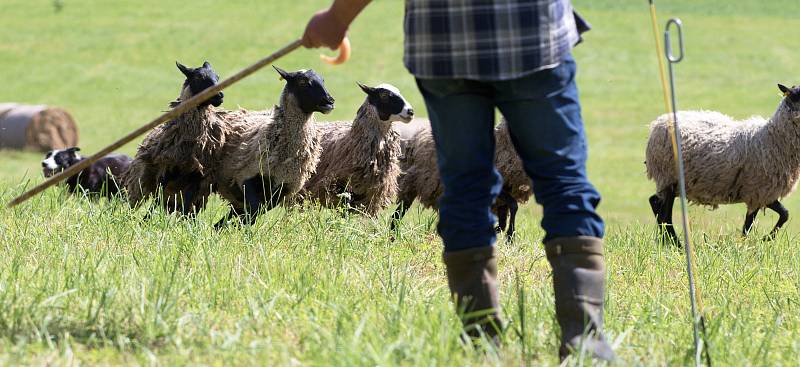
277 151
101 178
420 178
359 165
179 156
756 161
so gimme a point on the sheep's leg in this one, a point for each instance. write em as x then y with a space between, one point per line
783 216
232 213
748 222
655 205
512 221
664 215
188 195
400 212
507 208
502 216
253 199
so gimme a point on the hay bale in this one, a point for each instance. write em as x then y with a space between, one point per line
38 127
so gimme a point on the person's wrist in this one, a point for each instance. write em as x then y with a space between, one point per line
342 16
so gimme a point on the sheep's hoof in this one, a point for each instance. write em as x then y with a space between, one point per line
222 224
770 237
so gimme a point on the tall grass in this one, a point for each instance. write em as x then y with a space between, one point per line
92 282
319 287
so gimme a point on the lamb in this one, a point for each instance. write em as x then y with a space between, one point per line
179 155
359 165
420 179
756 161
276 151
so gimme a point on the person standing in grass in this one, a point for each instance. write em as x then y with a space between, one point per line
470 57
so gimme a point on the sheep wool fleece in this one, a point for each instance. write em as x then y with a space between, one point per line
360 160
755 161
190 143
282 145
420 178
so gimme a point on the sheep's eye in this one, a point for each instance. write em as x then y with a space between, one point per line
384 96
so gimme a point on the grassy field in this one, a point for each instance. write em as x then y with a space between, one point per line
85 282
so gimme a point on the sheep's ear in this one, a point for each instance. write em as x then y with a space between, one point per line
785 90
186 71
283 73
207 65
73 149
366 89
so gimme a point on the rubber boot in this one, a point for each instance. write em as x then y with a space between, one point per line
472 277
579 284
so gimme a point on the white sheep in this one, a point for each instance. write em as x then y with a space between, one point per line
755 161
421 180
359 165
276 151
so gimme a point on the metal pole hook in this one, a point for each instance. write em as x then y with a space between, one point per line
668 43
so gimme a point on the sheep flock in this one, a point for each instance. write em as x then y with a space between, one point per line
256 160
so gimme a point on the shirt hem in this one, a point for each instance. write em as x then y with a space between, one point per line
484 78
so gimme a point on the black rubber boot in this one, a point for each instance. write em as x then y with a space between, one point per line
472 277
579 284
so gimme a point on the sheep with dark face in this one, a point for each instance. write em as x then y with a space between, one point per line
101 178
359 165
180 155
276 151
420 179
756 161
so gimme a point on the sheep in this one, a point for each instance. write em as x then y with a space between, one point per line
276 151
100 179
359 165
756 161
420 178
516 183
406 131
179 155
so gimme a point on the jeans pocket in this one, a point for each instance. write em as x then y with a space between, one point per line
545 83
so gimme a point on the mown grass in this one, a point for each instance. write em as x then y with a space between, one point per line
90 282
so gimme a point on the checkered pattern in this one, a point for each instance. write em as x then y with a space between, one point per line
487 40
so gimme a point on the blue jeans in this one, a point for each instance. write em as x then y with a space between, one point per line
544 118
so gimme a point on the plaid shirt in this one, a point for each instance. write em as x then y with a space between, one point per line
487 40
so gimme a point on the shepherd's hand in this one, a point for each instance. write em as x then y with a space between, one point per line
327 28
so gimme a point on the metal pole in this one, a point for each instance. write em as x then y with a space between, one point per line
696 319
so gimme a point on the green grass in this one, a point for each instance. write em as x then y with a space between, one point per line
90 282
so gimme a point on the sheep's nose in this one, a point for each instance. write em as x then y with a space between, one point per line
44 165
221 95
411 112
